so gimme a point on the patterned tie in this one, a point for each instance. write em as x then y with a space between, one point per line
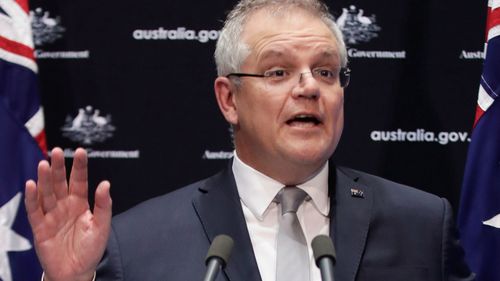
292 259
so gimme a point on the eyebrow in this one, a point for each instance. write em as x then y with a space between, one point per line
329 53
274 53
271 54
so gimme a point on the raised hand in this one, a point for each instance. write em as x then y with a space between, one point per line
69 238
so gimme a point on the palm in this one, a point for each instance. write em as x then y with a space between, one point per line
69 239
69 236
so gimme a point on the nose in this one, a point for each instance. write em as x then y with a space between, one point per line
307 86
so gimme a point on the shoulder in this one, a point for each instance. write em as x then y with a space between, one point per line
404 217
170 207
160 236
385 186
388 194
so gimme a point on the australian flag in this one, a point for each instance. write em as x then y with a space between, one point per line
479 215
22 140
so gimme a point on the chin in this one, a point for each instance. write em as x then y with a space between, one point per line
311 150
311 156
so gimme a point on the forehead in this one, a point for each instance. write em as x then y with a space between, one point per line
289 32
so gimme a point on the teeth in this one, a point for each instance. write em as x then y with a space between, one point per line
304 118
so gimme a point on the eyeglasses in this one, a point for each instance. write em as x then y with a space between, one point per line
280 78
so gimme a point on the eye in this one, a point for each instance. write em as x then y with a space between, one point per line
276 74
325 74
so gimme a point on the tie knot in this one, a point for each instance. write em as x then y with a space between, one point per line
290 198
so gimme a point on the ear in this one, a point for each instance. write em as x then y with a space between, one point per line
225 99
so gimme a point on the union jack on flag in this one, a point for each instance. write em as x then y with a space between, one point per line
479 214
22 140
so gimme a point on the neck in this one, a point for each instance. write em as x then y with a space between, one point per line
285 172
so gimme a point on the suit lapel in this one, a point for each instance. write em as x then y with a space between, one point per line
219 210
350 214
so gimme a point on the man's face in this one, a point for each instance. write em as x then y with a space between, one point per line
288 130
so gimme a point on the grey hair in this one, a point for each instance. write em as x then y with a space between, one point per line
230 51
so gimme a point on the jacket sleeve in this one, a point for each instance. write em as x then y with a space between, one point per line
110 268
454 265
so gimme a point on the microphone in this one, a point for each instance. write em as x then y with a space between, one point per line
217 256
324 255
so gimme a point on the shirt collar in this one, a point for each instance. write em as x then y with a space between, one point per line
257 190
317 189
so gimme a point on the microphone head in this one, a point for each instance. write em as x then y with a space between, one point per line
221 248
322 246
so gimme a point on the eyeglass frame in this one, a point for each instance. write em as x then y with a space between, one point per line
344 75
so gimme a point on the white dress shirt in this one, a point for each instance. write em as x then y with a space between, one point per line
257 192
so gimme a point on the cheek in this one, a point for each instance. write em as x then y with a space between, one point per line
255 111
262 107
336 109
339 111
339 126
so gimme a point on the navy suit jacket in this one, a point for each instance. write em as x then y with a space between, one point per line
381 231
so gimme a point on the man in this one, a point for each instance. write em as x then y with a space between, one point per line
282 70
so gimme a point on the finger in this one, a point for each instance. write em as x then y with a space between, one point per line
78 180
103 204
59 173
33 207
45 191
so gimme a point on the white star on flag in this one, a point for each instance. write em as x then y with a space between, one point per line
494 221
11 241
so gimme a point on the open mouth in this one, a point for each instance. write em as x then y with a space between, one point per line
304 120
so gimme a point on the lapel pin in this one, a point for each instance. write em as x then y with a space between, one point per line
357 193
